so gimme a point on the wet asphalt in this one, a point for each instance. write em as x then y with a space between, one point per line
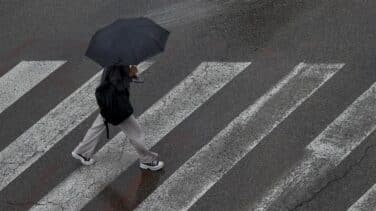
274 35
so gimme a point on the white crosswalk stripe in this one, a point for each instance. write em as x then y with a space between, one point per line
209 164
22 78
326 151
49 130
162 117
367 202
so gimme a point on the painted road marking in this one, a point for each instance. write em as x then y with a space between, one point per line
327 150
49 130
367 202
196 176
22 78
162 117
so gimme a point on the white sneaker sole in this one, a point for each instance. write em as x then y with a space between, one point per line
153 168
83 161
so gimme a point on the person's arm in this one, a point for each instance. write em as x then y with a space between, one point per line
133 71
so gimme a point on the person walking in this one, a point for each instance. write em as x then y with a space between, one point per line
115 46
120 77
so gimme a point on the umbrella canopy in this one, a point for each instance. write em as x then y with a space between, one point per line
127 41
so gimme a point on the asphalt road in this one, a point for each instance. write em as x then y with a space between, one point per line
274 35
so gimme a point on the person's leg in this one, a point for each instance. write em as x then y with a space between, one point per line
136 136
87 145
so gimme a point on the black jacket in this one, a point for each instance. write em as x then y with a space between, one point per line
120 78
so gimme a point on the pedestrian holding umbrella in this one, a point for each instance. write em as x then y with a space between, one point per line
119 47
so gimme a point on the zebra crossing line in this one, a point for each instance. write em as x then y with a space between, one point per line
49 130
22 78
162 117
367 202
326 151
208 165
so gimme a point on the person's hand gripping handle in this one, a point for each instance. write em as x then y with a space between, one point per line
133 74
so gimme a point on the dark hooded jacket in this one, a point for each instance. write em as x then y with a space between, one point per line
118 76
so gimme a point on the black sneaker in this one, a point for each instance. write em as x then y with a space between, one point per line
154 166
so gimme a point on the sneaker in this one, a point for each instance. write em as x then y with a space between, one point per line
84 160
154 166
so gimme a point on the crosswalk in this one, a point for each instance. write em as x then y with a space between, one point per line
326 151
210 163
201 171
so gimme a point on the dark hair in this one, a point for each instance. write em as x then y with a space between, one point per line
118 75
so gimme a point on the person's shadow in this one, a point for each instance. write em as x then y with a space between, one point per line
143 184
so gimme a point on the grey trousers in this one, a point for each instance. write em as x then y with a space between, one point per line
130 128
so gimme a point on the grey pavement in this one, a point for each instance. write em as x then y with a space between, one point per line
274 35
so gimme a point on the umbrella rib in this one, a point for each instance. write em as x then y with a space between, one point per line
134 52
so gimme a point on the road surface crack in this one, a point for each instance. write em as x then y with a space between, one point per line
336 179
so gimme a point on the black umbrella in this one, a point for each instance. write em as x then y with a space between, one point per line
127 41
